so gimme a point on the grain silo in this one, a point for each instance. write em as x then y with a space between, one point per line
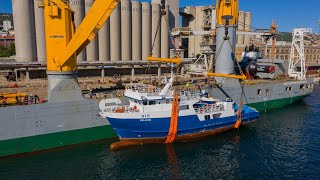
165 34
247 38
25 40
104 42
115 36
40 32
199 27
174 17
241 27
126 26
173 13
79 12
92 48
156 33
136 31
146 29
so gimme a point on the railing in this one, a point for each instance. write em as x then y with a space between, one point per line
210 108
120 109
148 89
187 95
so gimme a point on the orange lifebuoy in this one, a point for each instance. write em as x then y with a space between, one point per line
120 110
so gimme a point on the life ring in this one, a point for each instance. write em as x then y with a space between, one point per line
120 110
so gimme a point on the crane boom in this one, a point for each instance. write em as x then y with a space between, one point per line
64 43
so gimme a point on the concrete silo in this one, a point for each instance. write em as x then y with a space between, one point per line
25 36
190 21
247 38
136 31
40 32
115 36
165 34
173 13
126 30
156 33
92 48
199 27
174 17
78 7
241 27
146 29
104 42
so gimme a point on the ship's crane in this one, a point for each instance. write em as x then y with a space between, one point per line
64 43
227 12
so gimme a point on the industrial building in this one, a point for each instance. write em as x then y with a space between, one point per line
130 32
202 18
127 35
7 25
5 41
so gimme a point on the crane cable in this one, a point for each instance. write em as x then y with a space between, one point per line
233 51
153 44
152 47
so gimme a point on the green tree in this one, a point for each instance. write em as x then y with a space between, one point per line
7 52
12 49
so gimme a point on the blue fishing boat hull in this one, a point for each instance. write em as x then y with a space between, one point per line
153 128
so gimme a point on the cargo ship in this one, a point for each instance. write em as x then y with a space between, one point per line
67 118
264 92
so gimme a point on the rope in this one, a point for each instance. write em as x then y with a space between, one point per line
219 50
154 39
239 112
233 51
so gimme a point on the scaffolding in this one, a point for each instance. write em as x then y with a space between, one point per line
297 63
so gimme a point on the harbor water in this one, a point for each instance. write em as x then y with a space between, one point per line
283 143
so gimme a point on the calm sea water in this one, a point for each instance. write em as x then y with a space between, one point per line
284 143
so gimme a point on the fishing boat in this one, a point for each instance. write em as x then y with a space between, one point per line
155 115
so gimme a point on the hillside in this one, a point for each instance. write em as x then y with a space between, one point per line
285 36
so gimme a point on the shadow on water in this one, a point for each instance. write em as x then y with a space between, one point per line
283 143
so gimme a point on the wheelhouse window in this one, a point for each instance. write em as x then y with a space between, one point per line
152 102
214 116
183 107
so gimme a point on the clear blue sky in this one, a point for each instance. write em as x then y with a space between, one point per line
288 14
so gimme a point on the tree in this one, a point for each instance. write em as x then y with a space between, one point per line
12 49
7 52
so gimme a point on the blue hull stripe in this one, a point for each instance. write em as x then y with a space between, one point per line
158 127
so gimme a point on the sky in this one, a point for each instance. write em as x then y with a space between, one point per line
288 14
